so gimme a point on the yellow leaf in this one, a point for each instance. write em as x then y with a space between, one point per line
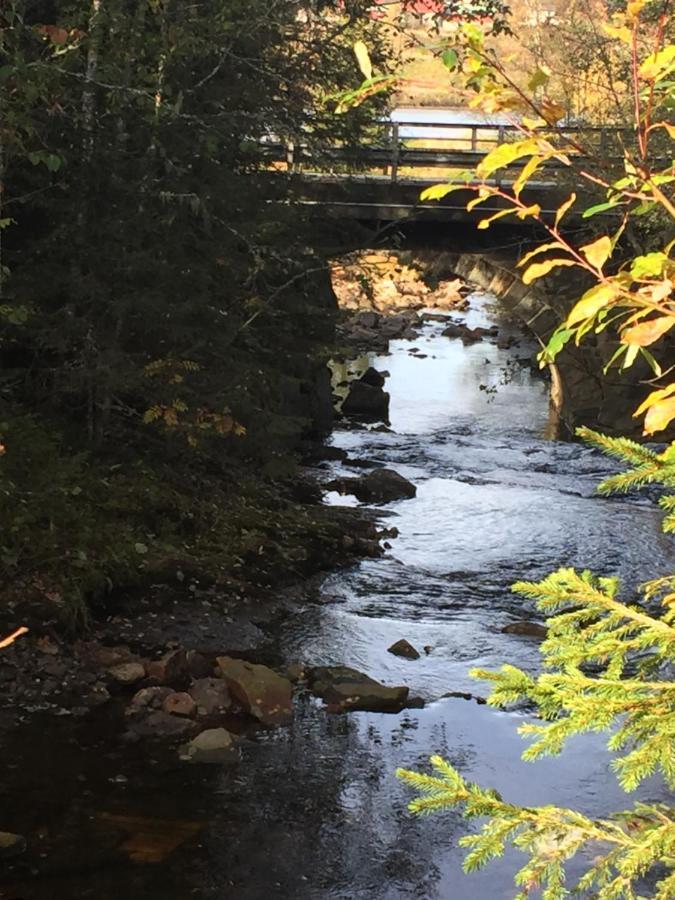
564 207
658 64
533 210
527 172
505 154
485 223
363 59
635 7
438 191
621 32
660 416
598 252
647 333
538 270
542 249
481 198
595 299
653 398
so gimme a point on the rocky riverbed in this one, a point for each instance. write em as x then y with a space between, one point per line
244 747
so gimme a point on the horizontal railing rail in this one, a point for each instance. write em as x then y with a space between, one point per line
398 147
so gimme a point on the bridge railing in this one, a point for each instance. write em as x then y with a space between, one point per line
403 149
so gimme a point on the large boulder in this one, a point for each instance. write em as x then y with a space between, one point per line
347 689
263 693
366 403
211 696
383 486
215 746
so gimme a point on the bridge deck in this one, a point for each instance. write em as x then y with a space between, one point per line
383 180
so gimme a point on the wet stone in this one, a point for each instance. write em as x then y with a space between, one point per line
263 693
172 668
343 688
148 698
215 746
160 724
526 629
127 673
211 696
179 704
404 648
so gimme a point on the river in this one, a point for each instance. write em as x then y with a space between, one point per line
314 811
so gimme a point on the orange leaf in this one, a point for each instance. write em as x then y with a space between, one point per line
647 333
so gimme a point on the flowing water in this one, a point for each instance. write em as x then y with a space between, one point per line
314 811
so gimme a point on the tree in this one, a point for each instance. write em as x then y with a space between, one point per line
606 659
163 324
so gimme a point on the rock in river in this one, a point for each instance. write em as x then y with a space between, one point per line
211 696
382 486
172 668
214 746
127 673
526 629
178 703
403 648
366 403
348 689
263 693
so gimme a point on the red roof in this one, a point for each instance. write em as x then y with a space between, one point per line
421 7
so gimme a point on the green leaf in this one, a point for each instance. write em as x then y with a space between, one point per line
649 266
450 59
651 362
556 342
618 353
539 79
595 299
599 207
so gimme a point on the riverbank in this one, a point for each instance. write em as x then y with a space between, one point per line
311 809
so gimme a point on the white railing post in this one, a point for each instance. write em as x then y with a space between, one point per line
290 156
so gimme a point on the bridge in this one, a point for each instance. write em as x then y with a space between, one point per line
383 180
